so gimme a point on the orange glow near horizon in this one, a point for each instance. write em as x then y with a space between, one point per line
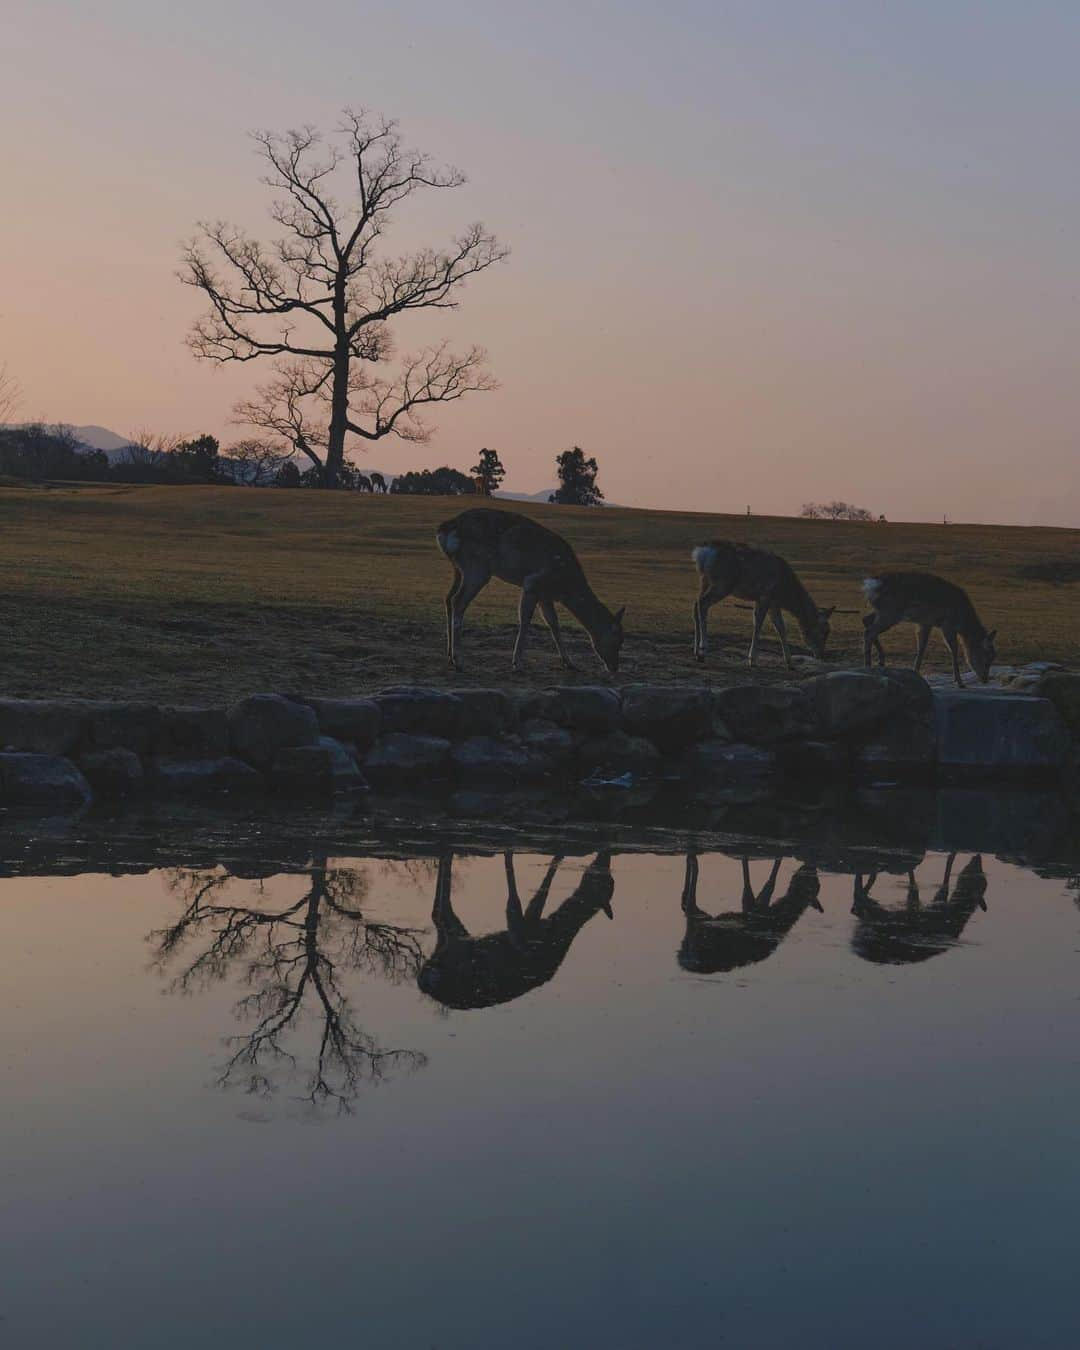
760 256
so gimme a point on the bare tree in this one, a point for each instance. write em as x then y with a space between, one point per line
254 463
292 957
317 301
10 394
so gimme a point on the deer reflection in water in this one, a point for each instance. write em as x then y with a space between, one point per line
479 972
293 958
894 936
722 942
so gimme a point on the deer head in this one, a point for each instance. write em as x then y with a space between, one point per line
982 654
817 633
608 639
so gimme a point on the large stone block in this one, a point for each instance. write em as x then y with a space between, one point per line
49 782
486 757
554 745
263 724
323 769
420 712
400 759
671 716
487 712
112 773
195 776
994 732
584 707
1063 691
193 733
850 702
724 761
618 752
905 745
764 714
45 726
358 720
124 726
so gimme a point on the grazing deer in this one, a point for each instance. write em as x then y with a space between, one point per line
766 579
480 972
363 483
485 543
903 936
724 942
932 603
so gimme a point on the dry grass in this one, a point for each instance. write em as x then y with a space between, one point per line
209 593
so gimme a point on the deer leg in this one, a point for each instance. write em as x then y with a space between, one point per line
873 627
765 895
747 887
447 923
948 632
689 890
526 608
551 618
761 608
515 917
710 594
920 648
778 624
535 909
472 583
451 595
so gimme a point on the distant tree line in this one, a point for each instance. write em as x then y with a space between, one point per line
38 452
835 511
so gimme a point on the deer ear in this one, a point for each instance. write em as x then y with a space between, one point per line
827 613
991 635
618 617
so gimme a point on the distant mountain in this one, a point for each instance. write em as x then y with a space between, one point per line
541 496
101 438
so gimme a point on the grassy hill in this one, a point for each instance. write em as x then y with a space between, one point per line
210 593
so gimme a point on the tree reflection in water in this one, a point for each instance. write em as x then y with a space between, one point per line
294 959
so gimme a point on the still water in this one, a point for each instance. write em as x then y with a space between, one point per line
627 1091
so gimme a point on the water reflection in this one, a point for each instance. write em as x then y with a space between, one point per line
303 962
479 972
916 932
294 960
722 942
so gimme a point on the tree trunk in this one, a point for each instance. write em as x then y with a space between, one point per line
339 413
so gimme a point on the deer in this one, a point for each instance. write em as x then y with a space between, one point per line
931 602
727 568
904 936
724 942
484 542
378 482
466 972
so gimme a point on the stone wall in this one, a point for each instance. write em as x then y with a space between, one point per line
62 754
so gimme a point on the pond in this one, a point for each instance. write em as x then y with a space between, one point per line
782 1075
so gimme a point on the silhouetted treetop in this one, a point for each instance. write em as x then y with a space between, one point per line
577 479
318 300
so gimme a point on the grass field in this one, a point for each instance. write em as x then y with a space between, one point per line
209 593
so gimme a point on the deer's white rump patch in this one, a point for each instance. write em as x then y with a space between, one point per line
704 556
871 588
449 542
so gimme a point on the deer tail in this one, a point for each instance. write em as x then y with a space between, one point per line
871 588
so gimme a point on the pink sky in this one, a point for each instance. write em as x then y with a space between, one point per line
762 252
